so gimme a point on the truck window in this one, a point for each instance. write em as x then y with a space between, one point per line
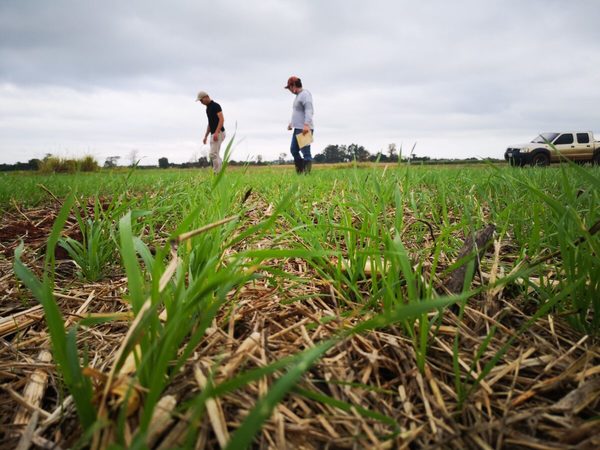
583 138
566 138
542 138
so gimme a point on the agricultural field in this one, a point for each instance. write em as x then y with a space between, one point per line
355 307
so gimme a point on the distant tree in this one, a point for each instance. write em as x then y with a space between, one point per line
203 161
281 159
259 159
392 152
111 162
163 163
379 156
319 158
34 164
54 164
133 157
334 154
88 164
358 152
16 166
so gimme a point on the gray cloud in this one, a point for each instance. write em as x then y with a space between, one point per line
462 78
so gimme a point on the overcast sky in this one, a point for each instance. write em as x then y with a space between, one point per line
460 78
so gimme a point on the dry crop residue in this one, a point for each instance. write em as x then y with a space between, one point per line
544 393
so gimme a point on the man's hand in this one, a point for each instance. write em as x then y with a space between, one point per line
204 140
216 136
305 129
289 126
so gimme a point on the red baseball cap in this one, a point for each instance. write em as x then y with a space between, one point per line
291 81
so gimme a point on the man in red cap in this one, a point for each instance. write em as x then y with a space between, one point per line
302 122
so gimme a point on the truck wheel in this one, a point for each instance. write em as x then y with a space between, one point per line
596 159
540 159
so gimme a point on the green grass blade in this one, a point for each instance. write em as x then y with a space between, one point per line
134 275
347 407
244 435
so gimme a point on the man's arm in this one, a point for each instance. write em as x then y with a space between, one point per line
219 125
308 113
206 134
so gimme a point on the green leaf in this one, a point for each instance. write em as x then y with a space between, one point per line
244 435
347 407
135 279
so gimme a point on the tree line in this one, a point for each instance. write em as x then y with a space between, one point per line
54 164
331 154
354 152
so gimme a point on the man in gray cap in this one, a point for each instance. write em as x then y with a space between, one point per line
215 128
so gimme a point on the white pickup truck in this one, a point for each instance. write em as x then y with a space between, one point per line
554 147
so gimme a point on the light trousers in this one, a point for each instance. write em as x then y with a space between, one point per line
215 148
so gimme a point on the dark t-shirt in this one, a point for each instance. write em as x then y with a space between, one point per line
213 119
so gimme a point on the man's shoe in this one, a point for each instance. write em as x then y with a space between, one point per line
299 163
307 166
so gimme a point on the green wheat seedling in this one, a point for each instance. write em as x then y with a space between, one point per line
578 250
64 345
94 253
190 298
379 244
573 212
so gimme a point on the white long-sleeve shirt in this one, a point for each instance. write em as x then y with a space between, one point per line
302 111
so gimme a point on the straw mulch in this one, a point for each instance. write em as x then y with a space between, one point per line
543 394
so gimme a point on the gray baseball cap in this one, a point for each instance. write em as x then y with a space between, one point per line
201 95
